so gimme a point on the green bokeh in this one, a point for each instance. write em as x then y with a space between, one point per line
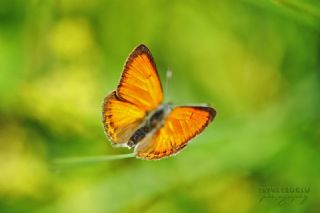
255 62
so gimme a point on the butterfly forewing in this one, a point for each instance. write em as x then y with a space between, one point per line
181 125
138 92
140 83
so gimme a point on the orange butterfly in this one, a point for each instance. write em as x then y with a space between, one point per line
134 115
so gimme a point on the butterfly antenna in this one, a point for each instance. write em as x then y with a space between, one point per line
168 78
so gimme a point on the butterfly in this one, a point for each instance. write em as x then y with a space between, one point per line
135 117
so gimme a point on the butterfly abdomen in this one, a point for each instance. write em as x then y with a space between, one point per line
138 136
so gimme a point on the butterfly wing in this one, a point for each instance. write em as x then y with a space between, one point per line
181 125
140 83
120 118
138 92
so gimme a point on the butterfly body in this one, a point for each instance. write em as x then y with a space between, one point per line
153 121
134 115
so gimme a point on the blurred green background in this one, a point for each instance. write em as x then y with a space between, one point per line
256 62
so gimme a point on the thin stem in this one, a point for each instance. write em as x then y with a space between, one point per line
91 159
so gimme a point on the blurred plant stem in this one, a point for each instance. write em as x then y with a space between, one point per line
91 159
300 7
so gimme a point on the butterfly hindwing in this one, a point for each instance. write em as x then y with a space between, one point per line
182 124
120 118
